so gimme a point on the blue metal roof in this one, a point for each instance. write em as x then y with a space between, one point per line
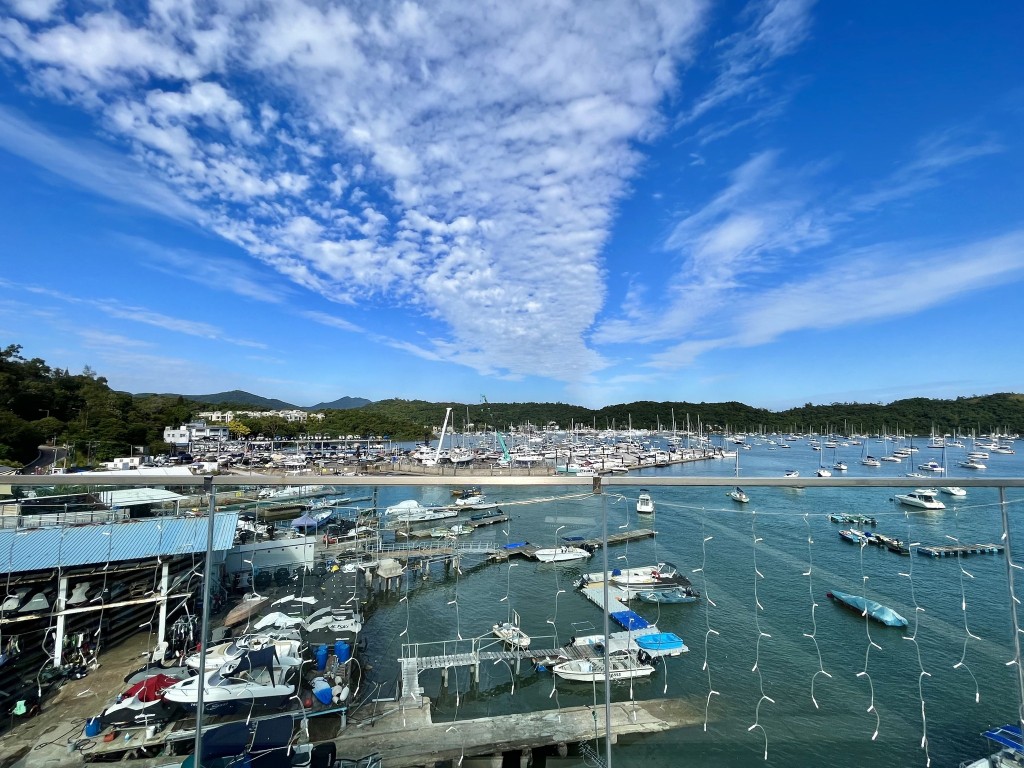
33 549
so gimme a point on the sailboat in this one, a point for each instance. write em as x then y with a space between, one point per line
823 471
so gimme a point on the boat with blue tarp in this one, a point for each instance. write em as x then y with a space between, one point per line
662 644
1011 749
629 620
880 613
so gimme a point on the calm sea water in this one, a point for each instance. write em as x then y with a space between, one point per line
774 649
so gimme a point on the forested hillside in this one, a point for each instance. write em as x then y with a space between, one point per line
40 404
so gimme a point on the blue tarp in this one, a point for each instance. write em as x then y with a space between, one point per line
630 620
1008 736
515 544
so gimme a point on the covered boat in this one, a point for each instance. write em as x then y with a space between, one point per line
674 595
661 644
1010 744
880 613
253 681
286 645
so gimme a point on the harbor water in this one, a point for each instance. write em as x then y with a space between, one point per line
779 674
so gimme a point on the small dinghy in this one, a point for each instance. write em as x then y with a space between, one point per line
676 595
511 634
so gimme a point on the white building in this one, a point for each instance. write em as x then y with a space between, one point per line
291 415
194 430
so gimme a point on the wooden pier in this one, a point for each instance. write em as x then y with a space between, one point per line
961 549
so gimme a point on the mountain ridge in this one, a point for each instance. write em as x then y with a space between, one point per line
239 397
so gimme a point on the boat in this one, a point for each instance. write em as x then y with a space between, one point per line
142 704
252 681
673 595
972 463
561 554
664 575
737 494
791 473
893 545
469 501
251 604
620 666
953 490
931 466
486 515
660 644
511 634
823 472
1010 743
869 608
852 519
870 461
840 466
923 498
286 645
644 504
853 535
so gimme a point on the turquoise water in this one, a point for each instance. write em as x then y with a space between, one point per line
962 636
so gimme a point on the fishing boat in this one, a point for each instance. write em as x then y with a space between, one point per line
737 494
511 634
561 554
644 504
621 666
1010 746
880 613
922 498
253 681
674 595
142 704
853 535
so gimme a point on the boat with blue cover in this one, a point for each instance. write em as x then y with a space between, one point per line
880 613
1010 743
675 595
661 644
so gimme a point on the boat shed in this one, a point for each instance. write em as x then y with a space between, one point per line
140 497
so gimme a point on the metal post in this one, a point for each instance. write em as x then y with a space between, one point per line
204 632
1013 605
161 633
607 636
58 638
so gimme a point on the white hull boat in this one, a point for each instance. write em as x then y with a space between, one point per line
511 634
644 504
922 498
288 649
253 681
561 554
620 667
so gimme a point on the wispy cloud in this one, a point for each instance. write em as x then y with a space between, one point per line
458 163
776 29
935 154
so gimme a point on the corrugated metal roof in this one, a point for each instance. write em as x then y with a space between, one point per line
132 497
35 549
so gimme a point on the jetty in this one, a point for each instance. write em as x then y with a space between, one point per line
960 549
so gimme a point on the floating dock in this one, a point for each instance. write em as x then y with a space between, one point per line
961 549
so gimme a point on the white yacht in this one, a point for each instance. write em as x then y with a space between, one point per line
644 504
923 498
972 463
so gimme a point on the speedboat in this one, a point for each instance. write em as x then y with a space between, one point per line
561 554
972 463
923 498
285 644
664 575
252 681
737 494
791 473
931 466
953 490
621 666
880 613
142 704
644 504
511 634
251 604
840 466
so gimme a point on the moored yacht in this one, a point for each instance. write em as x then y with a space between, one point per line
621 666
644 504
923 498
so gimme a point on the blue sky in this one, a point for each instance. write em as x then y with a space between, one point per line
771 202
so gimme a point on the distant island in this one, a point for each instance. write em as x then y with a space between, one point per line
40 404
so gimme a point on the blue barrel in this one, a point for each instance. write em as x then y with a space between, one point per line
93 727
321 657
342 651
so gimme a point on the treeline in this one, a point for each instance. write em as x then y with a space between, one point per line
43 405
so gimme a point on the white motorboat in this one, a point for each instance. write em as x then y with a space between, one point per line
469 501
922 498
824 472
644 504
664 575
791 473
737 494
561 554
286 645
972 463
870 461
511 634
621 666
253 681
840 466
953 490
931 466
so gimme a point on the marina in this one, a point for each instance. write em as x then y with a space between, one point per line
427 592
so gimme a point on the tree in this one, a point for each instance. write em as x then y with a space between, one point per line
238 429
